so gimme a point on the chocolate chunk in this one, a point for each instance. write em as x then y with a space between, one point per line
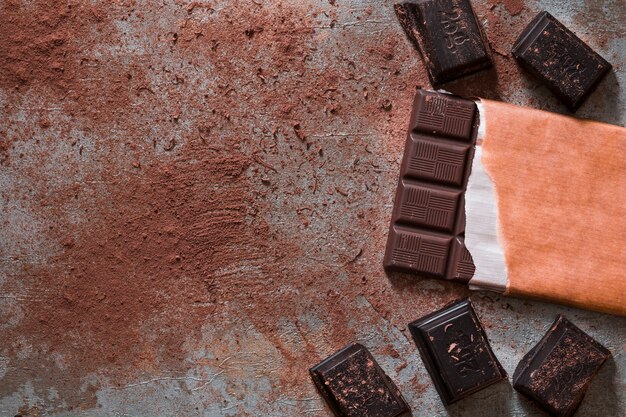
557 372
456 352
428 219
563 62
448 35
354 385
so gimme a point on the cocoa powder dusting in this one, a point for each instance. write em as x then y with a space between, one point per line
159 194
52 48
514 7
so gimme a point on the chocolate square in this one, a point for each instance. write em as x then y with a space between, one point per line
561 60
436 161
428 206
456 352
447 34
354 385
558 370
414 251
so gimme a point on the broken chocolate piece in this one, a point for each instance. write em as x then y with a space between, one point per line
456 352
428 220
561 60
557 372
448 35
354 385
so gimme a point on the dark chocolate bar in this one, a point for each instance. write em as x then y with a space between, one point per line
557 372
456 352
448 36
428 219
354 385
563 62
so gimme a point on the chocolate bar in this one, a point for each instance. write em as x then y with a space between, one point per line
561 60
557 372
456 352
448 35
354 385
428 220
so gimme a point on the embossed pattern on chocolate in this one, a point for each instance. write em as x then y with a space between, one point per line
447 34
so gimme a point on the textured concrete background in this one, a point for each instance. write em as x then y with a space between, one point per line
261 140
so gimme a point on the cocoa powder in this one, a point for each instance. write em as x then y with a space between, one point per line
153 193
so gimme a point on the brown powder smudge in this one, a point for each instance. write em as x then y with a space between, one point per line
135 282
514 7
170 223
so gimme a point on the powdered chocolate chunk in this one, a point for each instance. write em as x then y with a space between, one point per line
354 385
447 34
561 60
456 352
557 372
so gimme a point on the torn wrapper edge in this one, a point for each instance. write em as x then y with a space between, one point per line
481 223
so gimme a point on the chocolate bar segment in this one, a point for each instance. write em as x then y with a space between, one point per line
428 222
428 207
354 385
561 60
557 372
448 36
456 352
